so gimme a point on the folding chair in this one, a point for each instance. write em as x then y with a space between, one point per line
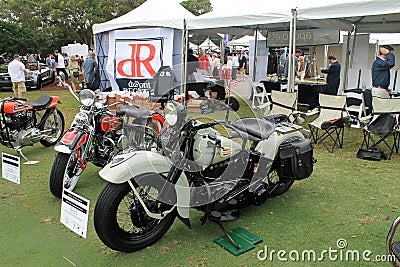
383 126
329 123
282 103
259 94
356 105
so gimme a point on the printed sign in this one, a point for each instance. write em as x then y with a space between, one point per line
136 62
75 212
10 168
304 37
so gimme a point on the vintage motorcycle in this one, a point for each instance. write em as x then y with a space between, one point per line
393 246
96 135
197 166
24 124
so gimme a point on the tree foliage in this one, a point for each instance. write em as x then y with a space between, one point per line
197 7
40 26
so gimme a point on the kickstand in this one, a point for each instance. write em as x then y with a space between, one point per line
19 150
227 235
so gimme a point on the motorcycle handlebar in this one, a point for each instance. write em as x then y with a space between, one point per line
69 88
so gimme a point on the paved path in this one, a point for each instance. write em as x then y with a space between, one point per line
241 89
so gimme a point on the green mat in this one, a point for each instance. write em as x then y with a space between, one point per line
242 237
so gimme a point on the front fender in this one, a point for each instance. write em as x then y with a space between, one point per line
71 140
130 165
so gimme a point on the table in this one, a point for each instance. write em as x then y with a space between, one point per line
308 93
270 85
367 98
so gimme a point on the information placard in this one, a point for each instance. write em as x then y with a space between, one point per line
10 168
75 212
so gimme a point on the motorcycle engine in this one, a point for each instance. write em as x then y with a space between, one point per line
18 121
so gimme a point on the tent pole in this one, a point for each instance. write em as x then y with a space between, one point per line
354 45
255 55
185 45
291 88
289 55
346 63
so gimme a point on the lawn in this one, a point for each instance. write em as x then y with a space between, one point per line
345 198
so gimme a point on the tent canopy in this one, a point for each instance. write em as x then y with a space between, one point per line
152 13
208 44
369 15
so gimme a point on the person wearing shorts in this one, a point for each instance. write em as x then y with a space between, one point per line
17 72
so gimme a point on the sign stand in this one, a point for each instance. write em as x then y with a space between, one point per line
75 216
65 256
10 171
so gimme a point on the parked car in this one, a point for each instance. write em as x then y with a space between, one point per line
38 76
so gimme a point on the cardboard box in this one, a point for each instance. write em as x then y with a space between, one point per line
193 105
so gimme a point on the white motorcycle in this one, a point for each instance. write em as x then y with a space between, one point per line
214 166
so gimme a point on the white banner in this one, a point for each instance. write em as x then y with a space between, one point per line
135 55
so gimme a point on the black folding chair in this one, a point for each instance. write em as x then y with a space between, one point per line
383 130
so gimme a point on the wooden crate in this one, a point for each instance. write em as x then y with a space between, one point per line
193 105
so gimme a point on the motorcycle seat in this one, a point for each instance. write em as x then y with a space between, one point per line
42 102
261 128
133 112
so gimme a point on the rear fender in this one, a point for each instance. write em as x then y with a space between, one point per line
130 165
71 141
54 101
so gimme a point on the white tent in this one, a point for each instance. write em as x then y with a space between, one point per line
208 44
245 40
152 13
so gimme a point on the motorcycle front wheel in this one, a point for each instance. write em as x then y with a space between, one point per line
53 124
65 173
121 221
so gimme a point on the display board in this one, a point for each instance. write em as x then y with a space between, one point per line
135 55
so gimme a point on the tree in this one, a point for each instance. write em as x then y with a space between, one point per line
197 7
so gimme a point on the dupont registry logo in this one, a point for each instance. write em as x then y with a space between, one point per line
340 252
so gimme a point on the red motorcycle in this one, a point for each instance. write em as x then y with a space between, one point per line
97 134
24 124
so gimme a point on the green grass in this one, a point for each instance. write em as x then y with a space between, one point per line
344 198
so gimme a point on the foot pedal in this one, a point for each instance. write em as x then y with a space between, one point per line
396 249
224 216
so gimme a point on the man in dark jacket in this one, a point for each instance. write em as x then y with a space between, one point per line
192 65
333 78
381 71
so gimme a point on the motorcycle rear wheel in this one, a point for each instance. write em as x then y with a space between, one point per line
121 222
49 123
64 173
278 184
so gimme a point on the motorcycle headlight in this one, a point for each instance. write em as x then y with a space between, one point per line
87 97
174 112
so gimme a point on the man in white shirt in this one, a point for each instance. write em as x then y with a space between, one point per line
60 65
17 72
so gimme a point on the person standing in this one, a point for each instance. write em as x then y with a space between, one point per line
333 78
381 71
235 66
192 65
216 65
242 64
17 72
89 67
204 64
73 68
59 65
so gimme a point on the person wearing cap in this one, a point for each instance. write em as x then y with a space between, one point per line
17 72
89 67
59 65
381 71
